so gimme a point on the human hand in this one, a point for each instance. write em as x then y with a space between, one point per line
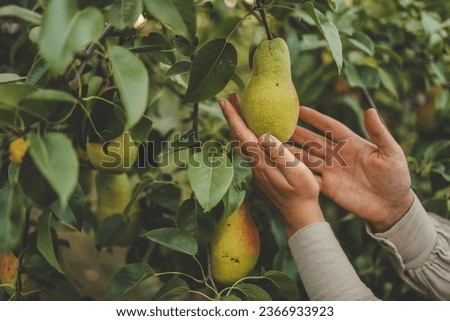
369 179
284 180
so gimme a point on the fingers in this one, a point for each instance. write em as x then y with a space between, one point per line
292 169
313 162
379 134
325 123
235 100
313 142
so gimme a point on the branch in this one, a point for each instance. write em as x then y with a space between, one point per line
262 12
84 56
19 285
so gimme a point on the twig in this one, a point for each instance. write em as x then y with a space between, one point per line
19 285
195 121
262 12
84 55
369 98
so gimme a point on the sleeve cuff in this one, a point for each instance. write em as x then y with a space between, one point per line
411 240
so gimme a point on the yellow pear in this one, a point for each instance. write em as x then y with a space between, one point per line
8 276
113 194
234 247
270 103
115 156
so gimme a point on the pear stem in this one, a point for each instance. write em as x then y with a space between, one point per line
262 12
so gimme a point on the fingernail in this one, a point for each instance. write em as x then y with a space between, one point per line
265 138
222 103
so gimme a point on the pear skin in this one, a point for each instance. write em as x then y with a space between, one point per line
270 103
8 276
235 247
113 194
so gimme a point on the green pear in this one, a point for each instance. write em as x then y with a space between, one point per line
270 103
115 156
234 247
113 194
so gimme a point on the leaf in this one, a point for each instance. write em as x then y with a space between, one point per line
22 13
131 78
144 183
177 240
238 81
212 69
352 76
363 42
127 279
283 282
65 30
230 298
387 82
45 241
171 290
47 104
181 67
241 179
190 218
124 13
180 15
167 195
253 292
147 48
328 30
12 217
210 177
9 78
73 213
110 230
165 55
37 71
142 129
56 159
10 96
184 46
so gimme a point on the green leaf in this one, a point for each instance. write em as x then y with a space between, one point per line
110 230
352 76
45 241
131 78
180 15
363 42
146 48
65 30
253 292
22 13
165 55
10 78
142 129
10 97
144 183
230 298
210 177
185 47
181 67
73 213
56 159
241 179
127 279
212 69
12 217
177 240
328 30
47 104
284 283
172 290
166 195
37 71
124 13
388 82
190 218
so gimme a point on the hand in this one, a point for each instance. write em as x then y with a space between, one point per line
369 179
285 181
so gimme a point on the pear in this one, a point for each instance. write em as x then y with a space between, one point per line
8 276
235 247
115 156
113 194
270 103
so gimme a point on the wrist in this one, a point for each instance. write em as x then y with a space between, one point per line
394 213
299 216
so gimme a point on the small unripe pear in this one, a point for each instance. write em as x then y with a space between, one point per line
8 276
115 156
234 247
270 103
113 195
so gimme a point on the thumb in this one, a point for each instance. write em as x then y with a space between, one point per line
379 134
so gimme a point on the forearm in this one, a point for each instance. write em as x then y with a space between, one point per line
419 247
324 268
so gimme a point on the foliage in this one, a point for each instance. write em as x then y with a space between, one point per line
76 70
